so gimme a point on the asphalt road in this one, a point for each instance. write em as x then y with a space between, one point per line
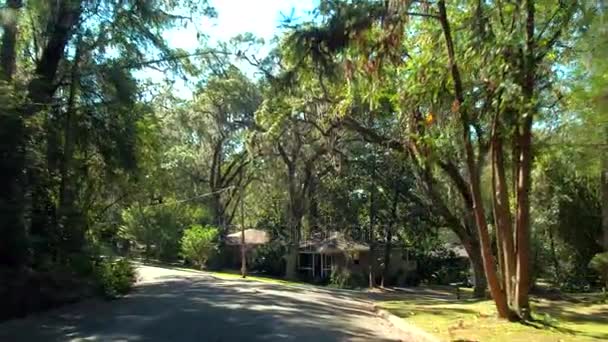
174 305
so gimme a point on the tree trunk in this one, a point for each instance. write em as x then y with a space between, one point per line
522 225
474 252
389 236
13 244
502 213
387 256
486 251
604 191
66 209
291 266
10 16
296 211
372 221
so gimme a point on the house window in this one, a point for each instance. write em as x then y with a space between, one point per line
305 261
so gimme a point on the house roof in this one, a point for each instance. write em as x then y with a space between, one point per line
335 242
252 237
455 248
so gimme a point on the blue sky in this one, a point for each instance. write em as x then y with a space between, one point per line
260 17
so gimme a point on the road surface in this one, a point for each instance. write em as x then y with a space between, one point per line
175 305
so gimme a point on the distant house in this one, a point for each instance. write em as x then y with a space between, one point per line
320 255
253 239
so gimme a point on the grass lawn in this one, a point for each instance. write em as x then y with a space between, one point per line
237 275
232 274
582 318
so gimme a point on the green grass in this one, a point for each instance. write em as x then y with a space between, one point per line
579 320
232 274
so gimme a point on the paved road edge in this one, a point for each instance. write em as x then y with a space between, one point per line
408 329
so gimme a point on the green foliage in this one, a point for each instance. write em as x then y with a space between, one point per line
158 228
115 277
599 263
269 259
565 198
343 278
198 243
442 267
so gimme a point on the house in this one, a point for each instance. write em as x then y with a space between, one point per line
320 255
232 249
253 237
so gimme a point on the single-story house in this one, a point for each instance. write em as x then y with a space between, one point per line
319 256
253 239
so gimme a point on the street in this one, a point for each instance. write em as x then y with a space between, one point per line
177 305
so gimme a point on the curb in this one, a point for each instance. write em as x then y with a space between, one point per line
414 333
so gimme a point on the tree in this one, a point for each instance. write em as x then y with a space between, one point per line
506 85
198 243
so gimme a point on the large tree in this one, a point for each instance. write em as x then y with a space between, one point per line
488 81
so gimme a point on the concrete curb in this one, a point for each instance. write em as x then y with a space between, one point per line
413 333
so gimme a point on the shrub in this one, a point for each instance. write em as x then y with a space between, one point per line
344 279
198 243
115 278
269 259
599 263
442 267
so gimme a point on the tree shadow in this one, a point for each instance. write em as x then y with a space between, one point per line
188 308
562 311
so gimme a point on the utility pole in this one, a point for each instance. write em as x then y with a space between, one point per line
243 246
372 219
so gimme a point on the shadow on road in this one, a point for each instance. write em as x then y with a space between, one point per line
184 308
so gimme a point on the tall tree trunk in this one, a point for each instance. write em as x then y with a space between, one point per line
312 207
372 221
293 250
486 251
295 222
522 225
10 16
13 244
389 237
215 187
388 246
479 276
66 208
502 211
604 190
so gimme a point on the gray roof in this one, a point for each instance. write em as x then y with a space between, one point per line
335 242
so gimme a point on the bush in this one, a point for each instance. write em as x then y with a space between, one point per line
442 267
599 263
198 243
269 259
115 278
344 279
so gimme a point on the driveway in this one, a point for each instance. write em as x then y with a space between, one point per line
176 305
